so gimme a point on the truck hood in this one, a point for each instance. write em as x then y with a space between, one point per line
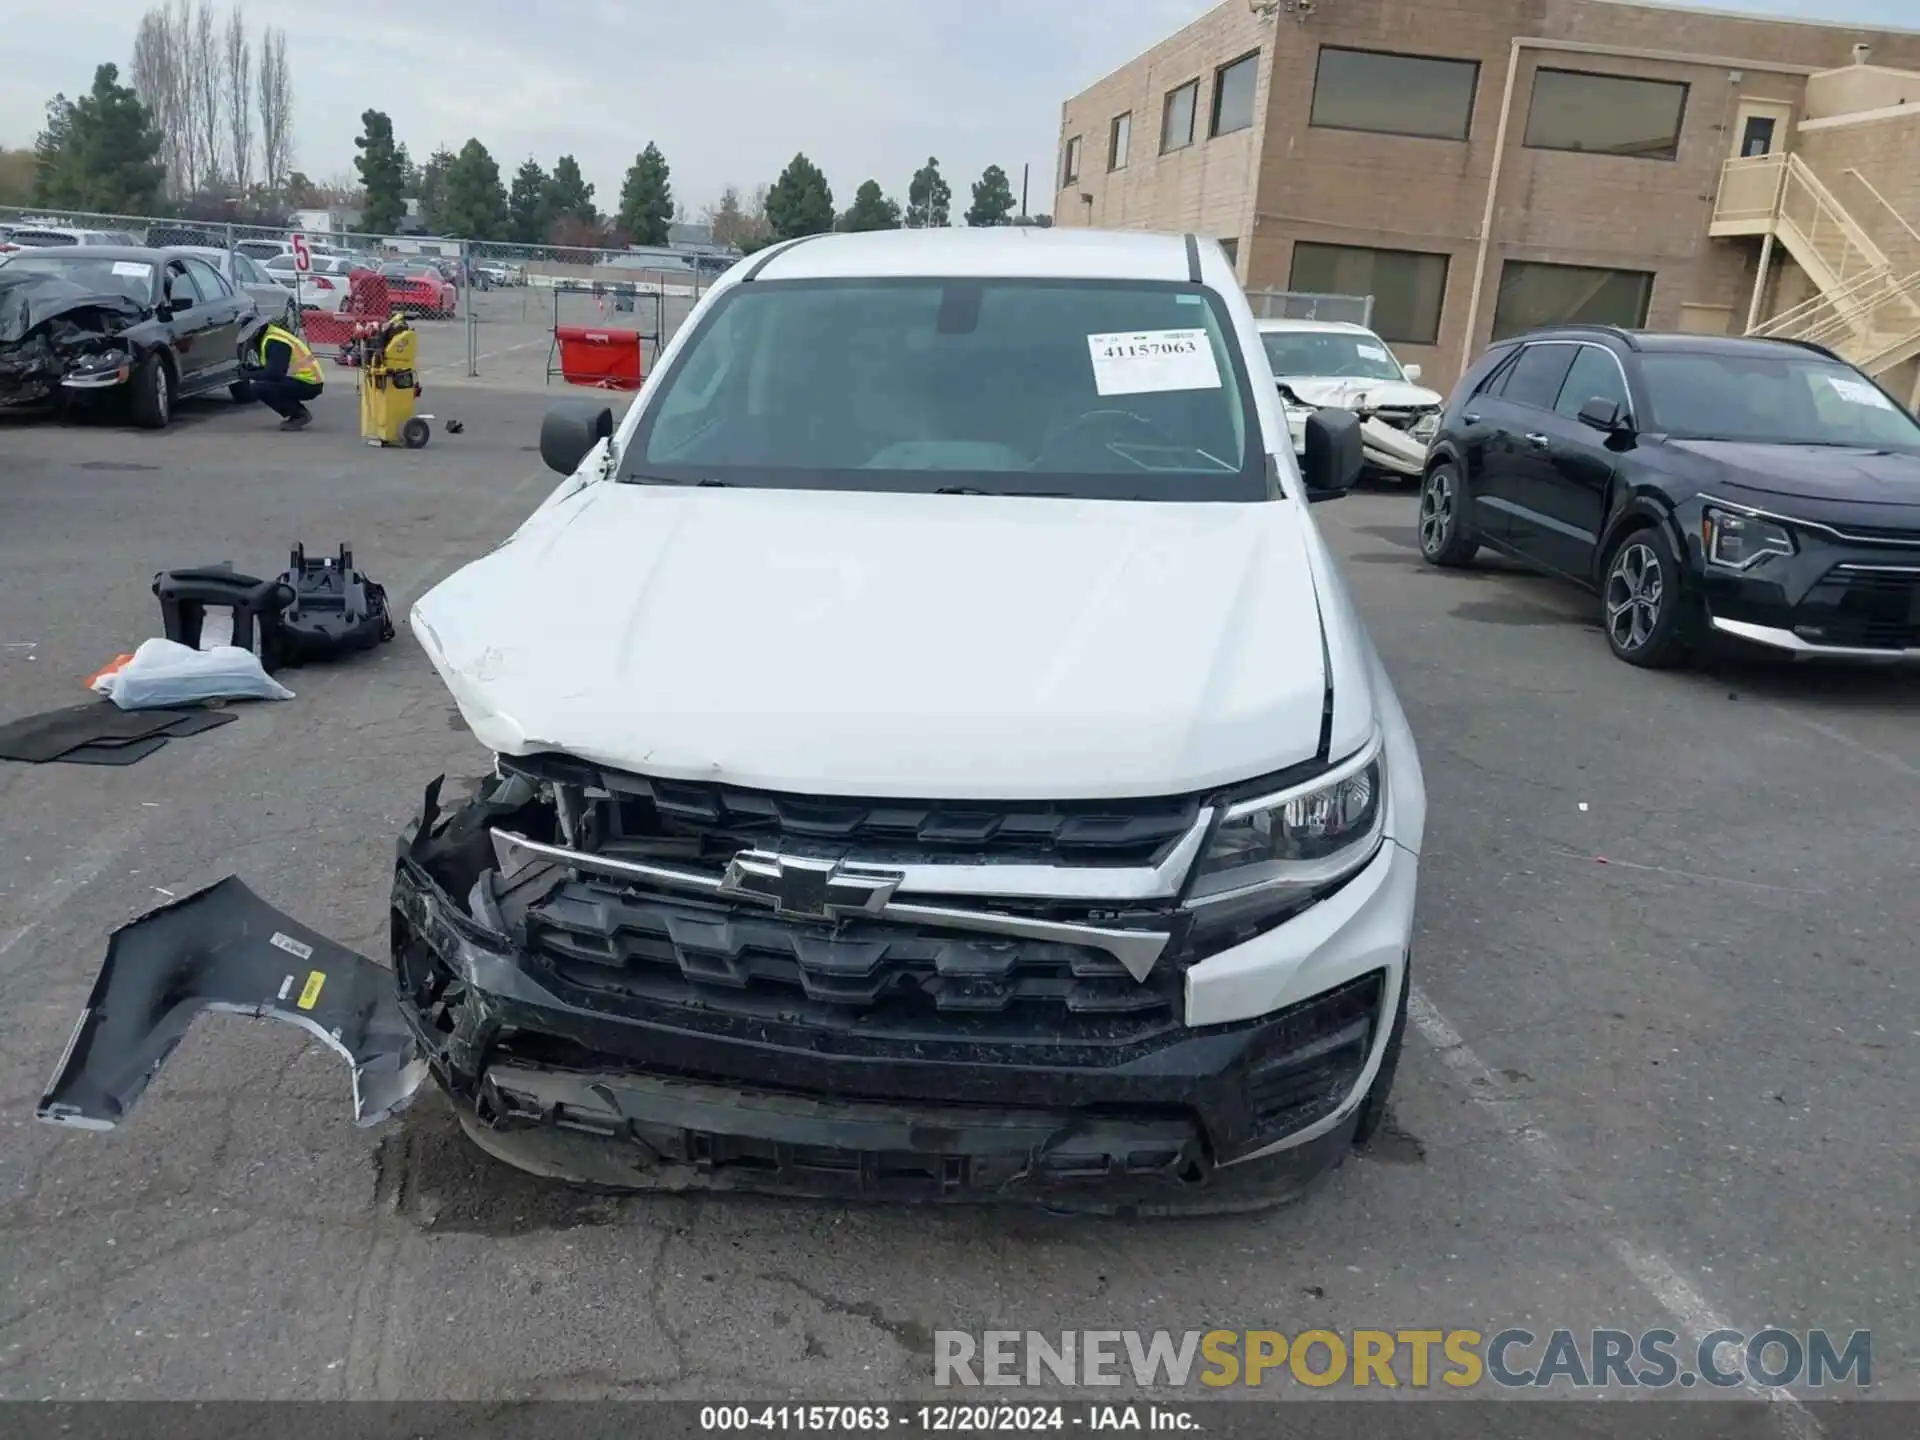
1355 394
923 646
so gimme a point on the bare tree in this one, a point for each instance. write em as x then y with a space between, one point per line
239 98
276 107
208 77
158 73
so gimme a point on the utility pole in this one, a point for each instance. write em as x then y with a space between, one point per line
1024 171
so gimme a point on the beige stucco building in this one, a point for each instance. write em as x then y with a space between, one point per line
1483 166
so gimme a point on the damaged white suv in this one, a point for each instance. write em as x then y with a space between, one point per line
936 756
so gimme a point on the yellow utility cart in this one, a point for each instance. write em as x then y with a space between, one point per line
389 385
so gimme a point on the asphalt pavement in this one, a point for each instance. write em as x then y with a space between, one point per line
1662 1070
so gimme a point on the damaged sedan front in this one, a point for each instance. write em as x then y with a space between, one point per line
934 757
57 337
90 324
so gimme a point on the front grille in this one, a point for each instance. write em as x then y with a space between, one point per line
1102 833
1312 1056
870 977
1874 609
692 821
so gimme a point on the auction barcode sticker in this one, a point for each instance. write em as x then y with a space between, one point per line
1150 360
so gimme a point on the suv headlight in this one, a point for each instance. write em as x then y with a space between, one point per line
1739 542
1274 850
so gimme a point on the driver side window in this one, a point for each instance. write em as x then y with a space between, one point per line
180 283
688 407
211 284
1595 375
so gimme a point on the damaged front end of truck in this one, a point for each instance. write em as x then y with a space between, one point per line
58 340
612 991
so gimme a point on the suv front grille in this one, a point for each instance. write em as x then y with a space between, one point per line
871 977
1875 609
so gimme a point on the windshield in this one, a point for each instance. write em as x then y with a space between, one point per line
1091 389
1790 399
131 278
1329 353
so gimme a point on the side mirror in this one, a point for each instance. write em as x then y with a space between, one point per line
570 430
1331 466
1605 415
180 302
1412 372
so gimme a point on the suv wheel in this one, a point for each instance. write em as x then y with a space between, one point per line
1641 601
1444 538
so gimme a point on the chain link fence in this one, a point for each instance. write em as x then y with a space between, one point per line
1304 305
485 309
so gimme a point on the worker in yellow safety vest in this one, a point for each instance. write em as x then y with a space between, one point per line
279 371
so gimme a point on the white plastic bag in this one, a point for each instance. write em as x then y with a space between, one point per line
164 673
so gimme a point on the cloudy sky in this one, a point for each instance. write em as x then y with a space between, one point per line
729 89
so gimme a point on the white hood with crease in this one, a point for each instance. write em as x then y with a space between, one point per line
904 646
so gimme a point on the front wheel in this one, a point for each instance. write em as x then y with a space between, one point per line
415 433
1642 608
1445 539
152 398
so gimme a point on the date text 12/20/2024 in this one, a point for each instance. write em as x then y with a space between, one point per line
942 1419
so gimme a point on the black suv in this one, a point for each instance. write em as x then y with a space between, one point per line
1760 490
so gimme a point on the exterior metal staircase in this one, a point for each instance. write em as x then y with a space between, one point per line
1865 309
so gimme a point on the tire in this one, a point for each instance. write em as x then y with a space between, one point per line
1373 1109
1642 607
1446 539
152 397
415 433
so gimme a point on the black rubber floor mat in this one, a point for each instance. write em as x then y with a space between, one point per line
117 752
40 738
198 722
101 728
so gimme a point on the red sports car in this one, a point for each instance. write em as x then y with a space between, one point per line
416 287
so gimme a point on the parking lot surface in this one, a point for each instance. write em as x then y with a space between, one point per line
1661 1072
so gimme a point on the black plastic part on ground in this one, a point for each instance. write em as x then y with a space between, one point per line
225 949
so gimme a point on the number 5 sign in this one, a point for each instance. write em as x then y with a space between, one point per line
302 257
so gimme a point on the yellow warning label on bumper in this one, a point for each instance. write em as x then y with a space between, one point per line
310 992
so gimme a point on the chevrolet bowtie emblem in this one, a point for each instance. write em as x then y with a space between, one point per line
810 889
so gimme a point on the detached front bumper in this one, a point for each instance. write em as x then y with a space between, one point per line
1383 446
649 1092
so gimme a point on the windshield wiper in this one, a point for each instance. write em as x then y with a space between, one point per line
710 481
958 490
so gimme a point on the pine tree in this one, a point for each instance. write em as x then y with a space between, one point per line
992 198
383 170
871 210
928 197
100 152
646 199
475 203
800 202
528 219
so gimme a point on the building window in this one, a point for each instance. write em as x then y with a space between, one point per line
1118 134
1533 295
1233 94
1231 248
1416 95
1070 170
1407 286
1176 120
1606 114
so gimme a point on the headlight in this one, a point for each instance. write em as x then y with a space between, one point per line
1739 542
1288 844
